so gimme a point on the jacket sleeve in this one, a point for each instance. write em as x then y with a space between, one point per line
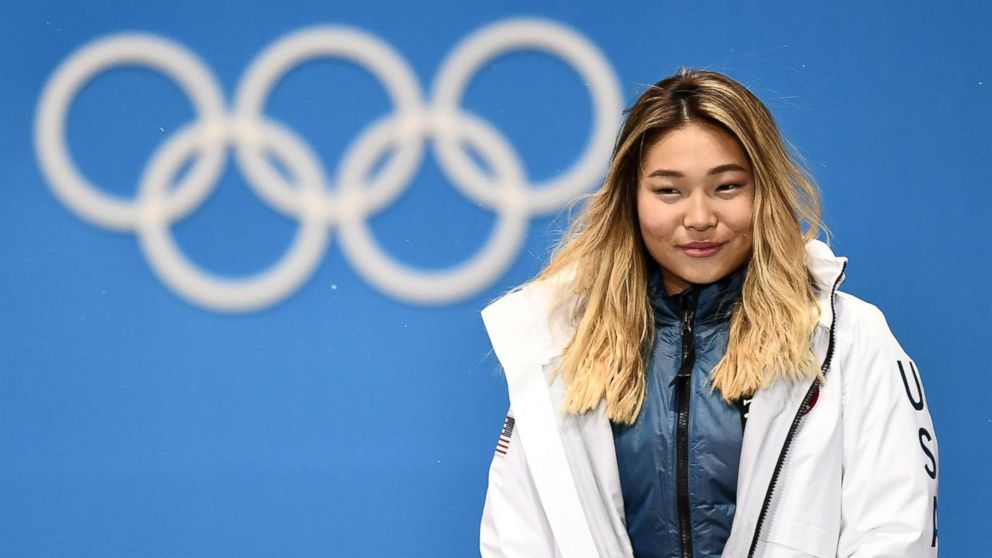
513 521
889 477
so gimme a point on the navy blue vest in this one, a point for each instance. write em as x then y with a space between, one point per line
678 461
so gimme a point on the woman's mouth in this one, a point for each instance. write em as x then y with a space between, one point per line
701 249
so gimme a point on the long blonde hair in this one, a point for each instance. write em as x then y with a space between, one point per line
607 300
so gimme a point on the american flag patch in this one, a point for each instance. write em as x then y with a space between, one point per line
503 445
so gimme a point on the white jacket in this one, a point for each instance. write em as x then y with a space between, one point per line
857 478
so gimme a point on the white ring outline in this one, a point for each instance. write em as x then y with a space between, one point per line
258 290
345 43
436 286
134 49
532 34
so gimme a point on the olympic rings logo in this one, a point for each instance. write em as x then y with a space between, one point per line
307 195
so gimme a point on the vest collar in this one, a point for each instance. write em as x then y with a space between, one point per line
713 301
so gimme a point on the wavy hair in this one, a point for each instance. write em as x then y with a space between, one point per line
607 298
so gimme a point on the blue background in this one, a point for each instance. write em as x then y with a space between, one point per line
343 422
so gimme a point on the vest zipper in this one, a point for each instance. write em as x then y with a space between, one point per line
683 390
796 421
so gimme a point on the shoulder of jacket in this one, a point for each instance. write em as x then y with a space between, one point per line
857 317
527 324
529 303
870 349
543 289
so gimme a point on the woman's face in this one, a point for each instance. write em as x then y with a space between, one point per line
695 200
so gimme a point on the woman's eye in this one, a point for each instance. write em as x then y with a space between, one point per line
664 191
728 187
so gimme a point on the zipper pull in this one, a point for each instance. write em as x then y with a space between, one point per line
688 361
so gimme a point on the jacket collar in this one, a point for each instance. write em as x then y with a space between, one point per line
712 302
827 273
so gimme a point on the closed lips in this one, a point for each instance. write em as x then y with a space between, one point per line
701 249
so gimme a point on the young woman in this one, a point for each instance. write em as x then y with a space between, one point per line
686 379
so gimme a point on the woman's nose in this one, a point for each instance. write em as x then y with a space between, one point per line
699 214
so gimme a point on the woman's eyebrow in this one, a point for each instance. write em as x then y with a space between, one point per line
715 170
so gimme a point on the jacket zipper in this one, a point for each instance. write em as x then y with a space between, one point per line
796 421
683 381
